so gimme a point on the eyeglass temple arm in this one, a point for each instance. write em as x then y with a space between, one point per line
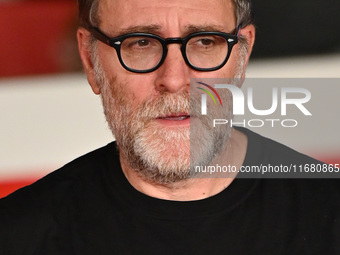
99 35
239 27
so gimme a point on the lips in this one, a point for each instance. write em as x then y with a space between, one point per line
176 117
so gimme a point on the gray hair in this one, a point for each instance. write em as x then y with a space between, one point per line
88 12
243 12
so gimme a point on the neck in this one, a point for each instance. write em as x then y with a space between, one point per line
193 188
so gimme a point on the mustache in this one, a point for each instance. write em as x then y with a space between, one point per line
165 105
170 104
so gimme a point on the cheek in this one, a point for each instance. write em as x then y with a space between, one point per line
231 67
229 70
135 88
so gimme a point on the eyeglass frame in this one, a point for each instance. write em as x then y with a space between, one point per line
116 42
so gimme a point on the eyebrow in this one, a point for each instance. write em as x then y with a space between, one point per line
211 28
154 29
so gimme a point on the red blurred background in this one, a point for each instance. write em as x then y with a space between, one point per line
38 37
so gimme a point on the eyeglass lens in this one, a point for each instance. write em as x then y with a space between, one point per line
143 53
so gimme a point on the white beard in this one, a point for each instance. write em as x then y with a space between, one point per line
162 154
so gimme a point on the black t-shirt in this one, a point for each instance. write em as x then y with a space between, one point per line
88 207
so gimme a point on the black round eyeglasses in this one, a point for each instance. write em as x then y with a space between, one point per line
144 52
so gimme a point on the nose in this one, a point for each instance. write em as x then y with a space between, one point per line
174 74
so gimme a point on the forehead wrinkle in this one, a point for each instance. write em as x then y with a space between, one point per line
164 25
156 29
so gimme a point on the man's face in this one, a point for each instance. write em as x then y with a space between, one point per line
176 18
149 114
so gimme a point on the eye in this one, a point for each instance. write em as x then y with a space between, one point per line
138 42
205 42
142 43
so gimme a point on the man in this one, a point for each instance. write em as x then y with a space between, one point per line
140 195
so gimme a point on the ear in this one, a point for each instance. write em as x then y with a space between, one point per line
84 37
248 33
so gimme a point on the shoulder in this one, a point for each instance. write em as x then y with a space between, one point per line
264 149
62 182
302 182
281 161
31 214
